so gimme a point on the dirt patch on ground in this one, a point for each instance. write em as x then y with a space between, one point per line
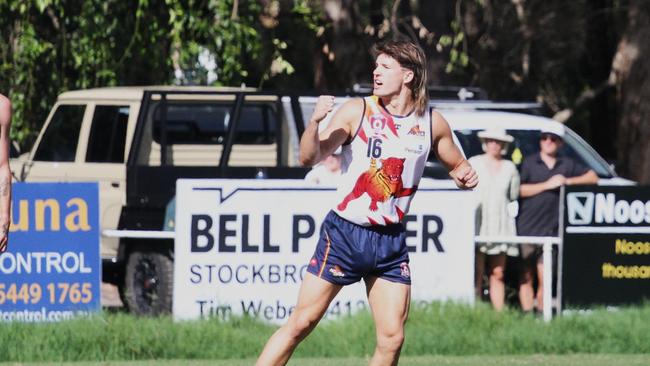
110 296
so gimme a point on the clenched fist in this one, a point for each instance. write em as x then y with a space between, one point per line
465 176
324 105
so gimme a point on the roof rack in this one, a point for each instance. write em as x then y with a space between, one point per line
463 98
487 105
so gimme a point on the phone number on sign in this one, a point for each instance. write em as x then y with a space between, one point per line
54 293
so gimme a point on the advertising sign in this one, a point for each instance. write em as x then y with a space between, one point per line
606 255
51 270
243 247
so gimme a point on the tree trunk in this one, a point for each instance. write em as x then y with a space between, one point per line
436 16
343 57
631 73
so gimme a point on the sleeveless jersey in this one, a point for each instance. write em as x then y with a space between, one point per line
382 166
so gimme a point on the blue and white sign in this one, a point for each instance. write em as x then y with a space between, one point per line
51 270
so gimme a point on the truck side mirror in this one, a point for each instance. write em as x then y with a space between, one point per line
612 163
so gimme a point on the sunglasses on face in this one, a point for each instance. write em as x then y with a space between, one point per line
549 137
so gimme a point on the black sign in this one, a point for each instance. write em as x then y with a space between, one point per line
606 245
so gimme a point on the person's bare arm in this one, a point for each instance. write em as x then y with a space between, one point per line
5 172
590 177
460 169
314 147
532 189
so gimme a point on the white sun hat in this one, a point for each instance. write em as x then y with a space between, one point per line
498 134
553 130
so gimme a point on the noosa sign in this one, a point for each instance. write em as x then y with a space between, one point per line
586 208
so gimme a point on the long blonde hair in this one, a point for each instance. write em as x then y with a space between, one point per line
410 56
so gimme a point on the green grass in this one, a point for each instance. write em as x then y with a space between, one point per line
529 360
437 329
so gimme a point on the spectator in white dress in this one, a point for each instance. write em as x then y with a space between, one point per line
498 188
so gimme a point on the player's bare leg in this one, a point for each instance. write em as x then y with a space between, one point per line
389 302
313 299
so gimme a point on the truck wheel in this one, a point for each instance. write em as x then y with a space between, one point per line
149 282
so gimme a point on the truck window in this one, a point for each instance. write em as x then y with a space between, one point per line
108 134
255 137
257 125
196 131
59 142
207 123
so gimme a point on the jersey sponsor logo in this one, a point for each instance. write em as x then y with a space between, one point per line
416 131
418 151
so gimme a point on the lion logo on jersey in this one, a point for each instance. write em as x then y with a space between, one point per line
380 183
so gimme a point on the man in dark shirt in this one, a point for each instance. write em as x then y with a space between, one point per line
542 175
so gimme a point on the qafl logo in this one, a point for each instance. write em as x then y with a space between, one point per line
377 122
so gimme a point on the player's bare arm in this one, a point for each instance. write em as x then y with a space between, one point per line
314 147
5 172
460 169
554 182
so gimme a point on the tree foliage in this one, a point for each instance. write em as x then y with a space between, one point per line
561 53
49 46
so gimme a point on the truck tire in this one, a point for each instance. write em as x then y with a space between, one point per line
149 281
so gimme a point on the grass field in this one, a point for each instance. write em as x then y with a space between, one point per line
451 332
530 360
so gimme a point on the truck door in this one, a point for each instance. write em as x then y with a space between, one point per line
102 154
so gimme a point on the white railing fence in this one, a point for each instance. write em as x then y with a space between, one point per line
547 243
